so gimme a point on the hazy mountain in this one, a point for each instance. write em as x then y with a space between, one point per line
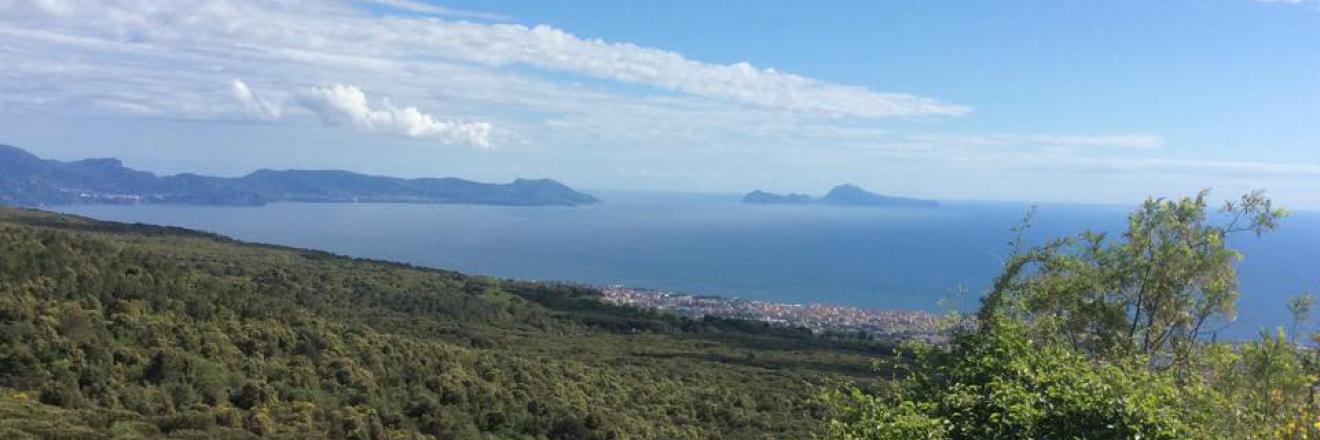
28 180
842 195
776 199
852 195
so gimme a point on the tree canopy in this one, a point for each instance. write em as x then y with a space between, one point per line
123 331
1098 337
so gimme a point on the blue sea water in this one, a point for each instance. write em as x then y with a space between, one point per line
899 258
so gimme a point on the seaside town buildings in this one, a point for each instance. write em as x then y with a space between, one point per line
817 317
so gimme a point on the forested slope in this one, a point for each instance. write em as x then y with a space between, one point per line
128 331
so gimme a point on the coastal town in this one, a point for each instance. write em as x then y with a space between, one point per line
818 318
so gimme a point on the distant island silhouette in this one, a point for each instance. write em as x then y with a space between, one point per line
842 195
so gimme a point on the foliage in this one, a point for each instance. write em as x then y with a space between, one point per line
999 384
1085 337
129 331
1300 307
1150 294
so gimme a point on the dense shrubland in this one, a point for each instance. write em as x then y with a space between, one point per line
1100 337
128 331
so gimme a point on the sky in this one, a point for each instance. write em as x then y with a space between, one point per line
1047 101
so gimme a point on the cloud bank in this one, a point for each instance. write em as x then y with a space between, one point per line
551 48
337 34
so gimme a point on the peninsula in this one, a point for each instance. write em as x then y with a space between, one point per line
26 180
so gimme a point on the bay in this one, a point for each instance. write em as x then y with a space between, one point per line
893 258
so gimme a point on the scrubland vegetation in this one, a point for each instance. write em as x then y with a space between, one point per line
113 331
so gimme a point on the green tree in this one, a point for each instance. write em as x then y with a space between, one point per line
1087 337
1151 292
1300 308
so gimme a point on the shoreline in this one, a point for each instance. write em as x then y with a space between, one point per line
819 318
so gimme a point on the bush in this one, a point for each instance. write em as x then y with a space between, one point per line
997 383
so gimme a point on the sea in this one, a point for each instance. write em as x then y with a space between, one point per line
890 258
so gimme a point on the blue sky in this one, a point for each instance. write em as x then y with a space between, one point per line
1009 100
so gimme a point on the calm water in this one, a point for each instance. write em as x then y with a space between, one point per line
884 258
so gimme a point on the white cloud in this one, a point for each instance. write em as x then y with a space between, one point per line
431 9
550 48
543 87
259 106
347 105
1200 167
1200 170
273 37
1137 141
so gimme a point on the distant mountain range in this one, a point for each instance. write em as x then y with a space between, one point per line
27 180
842 195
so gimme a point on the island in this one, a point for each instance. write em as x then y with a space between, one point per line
842 195
776 199
27 180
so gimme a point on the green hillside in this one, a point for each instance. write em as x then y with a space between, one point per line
117 331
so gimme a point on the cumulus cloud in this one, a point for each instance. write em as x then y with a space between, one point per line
343 105
340 105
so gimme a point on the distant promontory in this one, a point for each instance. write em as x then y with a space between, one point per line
842 195
27 180
776 199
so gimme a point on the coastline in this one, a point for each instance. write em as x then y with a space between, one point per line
819 318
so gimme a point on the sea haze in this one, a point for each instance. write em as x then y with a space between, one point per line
899 258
